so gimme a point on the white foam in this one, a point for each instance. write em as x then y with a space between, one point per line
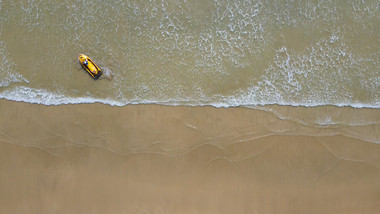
8 74
44 97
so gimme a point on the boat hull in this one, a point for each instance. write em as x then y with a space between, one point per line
91 68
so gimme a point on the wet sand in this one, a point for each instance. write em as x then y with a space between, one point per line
95 158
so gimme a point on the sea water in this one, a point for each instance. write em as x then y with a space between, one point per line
200 52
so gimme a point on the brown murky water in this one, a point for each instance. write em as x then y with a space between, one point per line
220 53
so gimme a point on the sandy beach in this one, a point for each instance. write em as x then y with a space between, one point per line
203 106
95 158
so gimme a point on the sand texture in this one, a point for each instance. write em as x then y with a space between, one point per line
95 158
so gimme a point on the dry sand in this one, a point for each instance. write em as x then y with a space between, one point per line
94 158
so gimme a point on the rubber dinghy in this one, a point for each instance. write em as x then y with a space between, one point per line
90 66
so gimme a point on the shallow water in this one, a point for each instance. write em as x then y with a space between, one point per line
95 158
220 53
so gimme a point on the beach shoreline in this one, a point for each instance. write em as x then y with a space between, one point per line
176 159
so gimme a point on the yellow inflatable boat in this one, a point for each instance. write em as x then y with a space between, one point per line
90 66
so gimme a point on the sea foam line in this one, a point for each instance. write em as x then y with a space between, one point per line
45 97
